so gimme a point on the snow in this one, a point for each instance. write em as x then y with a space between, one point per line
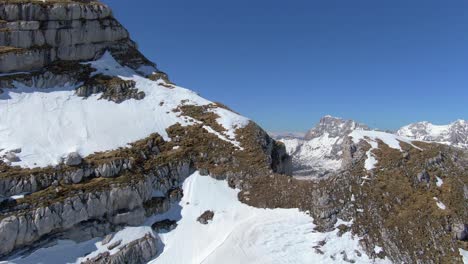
429 129
393 141
64 251
18 196
377 249
239 233
47 124
464 255
440 204
371 161
291 144
315 153
439 182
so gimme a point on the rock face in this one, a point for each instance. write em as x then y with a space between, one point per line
320 151
455 134
34 34
136 252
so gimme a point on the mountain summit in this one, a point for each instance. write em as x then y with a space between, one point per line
320 151
455 133
333 127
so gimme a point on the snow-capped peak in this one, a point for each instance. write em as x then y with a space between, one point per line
320 151
334 126
455 133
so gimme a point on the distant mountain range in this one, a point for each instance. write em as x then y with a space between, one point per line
455 133
319 151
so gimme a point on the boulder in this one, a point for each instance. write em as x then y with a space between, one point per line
460 231
206 217
11 157
73 159
164 225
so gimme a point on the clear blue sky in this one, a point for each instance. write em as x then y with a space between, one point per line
287 63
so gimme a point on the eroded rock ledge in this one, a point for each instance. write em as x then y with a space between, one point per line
116 188
33 34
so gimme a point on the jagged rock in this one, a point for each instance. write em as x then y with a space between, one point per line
460 231
11 157
73 159
77 176
423 176
132 218
113 168
137 252
31 226
115 244
205 217
164 225
157 205
107 239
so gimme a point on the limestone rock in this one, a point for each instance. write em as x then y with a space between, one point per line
73 159
137 252
10 156
206 217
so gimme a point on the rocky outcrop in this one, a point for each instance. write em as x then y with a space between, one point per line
118 205
205 217
136 252
39 33
112 88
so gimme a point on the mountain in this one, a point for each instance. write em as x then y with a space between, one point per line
388 185
103 159
455 133
96 142
320 151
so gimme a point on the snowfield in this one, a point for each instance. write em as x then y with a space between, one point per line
47 124
237 234
240 233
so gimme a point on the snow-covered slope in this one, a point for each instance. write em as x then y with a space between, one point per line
238 233
319 152
47 124
455 133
